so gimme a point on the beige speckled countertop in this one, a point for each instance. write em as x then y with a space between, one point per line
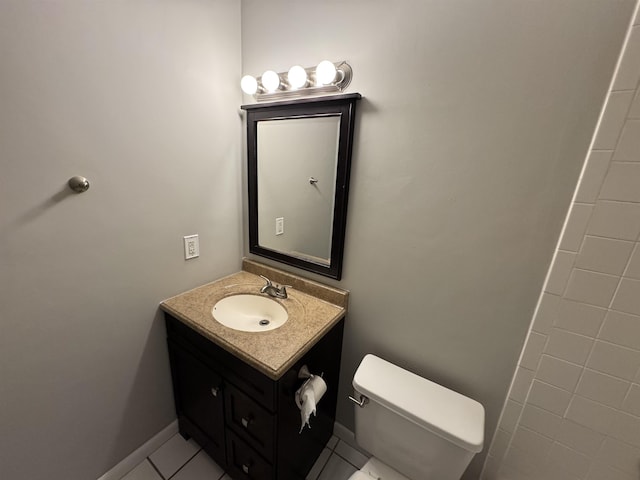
272 352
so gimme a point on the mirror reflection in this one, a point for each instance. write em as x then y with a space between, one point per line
297 160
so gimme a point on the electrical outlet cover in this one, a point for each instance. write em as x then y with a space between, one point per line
191 247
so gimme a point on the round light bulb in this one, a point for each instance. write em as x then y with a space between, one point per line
325 72
249 85
270 81
297 77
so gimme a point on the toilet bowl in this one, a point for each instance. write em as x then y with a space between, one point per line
414 429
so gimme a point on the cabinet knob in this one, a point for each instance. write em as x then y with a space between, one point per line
246 421
245 468
215 391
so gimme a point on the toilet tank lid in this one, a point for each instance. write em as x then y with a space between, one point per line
444 412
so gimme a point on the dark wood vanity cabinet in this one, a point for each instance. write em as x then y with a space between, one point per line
247 422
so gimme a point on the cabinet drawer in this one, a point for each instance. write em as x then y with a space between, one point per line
244 463
250 421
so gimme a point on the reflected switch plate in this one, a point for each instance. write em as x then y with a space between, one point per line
279 225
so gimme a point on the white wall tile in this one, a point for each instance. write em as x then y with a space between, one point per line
613 118
615 360
633 269
602 388
579 317
491 467
615 220
528 440
549 397
522 464
628 149
579 437
541 421
510 416
558 373
576 226
629 70
569 346
592 415
533 350
635 106
621 455
594 173
621 328
632 402
621 183
546 313
521 384
500 443
605 472
605 255
565 459
591 288
627 297
627 429
560 271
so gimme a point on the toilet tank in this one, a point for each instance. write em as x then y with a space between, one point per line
421 429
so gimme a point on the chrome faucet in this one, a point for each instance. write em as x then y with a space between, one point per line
273 290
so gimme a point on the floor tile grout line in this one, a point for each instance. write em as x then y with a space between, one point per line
323 466
148 459
184 464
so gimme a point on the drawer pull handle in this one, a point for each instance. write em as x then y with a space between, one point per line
246 421
245 468
215 391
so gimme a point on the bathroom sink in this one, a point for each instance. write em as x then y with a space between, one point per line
249 313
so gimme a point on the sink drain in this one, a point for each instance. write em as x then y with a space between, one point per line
264 322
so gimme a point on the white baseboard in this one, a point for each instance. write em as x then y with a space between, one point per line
346 435
150 446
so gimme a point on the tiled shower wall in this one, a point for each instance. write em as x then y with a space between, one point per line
573 411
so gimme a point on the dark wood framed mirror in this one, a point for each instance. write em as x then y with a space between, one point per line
299 163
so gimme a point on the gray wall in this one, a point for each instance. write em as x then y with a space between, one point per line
141 98
476 120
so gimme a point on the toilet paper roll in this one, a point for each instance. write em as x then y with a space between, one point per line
308 396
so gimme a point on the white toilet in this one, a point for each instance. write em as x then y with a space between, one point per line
414 428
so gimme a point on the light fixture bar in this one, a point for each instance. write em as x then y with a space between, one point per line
311 87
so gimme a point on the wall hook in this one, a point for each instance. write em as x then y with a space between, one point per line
313 180
78 184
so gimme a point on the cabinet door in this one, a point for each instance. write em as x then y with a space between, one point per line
199 401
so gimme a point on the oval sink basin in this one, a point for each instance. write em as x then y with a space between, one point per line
249 313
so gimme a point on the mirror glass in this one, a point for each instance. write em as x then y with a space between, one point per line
299 156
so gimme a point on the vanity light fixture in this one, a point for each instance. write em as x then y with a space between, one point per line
297 77
270 81
327 77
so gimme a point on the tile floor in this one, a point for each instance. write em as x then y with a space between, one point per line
178 459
